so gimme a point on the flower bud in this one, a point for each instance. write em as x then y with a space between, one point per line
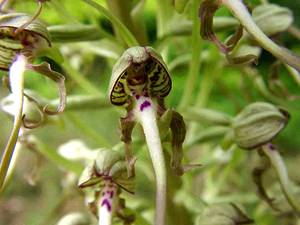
108 164
223 214
257 124
272 18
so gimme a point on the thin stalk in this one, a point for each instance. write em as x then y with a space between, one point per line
146 114
16 76
122 10
293 30
241 13
279 166
84 102
163 15
124 32
195 62
107 203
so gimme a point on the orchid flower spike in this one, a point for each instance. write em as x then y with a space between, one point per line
140 81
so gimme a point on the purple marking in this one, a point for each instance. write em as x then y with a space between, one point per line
107 203
272 147
137 97
111 194
144 105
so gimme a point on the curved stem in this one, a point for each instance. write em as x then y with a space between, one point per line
147 116
242 14
195 62
127 36
16 76
279 166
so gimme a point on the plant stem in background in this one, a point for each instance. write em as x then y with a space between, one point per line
163 15
195 62
272 153
147 116
241 13
16 77
126 35
122 10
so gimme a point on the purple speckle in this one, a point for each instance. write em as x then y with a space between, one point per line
272 147
144 105
137 97
107 203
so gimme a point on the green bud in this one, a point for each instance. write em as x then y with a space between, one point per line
257 124
272 18
223 214
108 164
75 218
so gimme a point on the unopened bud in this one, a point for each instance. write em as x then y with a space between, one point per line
257 124
272 19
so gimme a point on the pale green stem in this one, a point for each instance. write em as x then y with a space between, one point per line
162 15
62 11
124 32
294 73
282 174
147 117
16 76
84 102
241 13
293 30
195 62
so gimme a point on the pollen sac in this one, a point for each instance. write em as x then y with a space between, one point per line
257 124
223 214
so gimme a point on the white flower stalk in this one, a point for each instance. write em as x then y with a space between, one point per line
241 13
107 202
146 114
16 79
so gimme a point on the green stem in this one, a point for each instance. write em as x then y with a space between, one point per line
84 102
124 32
279 166
16 76
293 30
163 15
122 10
242 14
195 62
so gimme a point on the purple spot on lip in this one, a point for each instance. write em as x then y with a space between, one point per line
107 203
144 105
137 97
